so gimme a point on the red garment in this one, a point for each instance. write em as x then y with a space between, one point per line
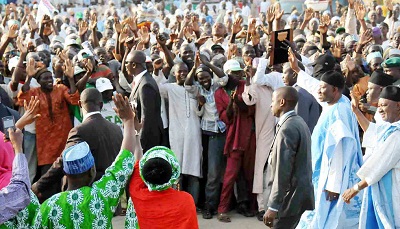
238 130
6 161
165 209
52 129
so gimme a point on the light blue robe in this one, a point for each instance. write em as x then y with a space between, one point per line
336 126
380 207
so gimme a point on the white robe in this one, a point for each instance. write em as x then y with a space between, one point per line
385 157
184 128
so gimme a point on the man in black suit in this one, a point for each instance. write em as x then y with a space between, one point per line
146 100
289 162
103 137
307 106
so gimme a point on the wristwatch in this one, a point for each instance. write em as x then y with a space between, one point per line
356 188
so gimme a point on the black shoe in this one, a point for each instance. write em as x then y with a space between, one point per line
242 209
260 215
207 214
198 210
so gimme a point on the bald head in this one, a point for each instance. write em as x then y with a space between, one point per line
136 56
290 95
91 100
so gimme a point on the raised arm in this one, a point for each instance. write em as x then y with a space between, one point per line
15 196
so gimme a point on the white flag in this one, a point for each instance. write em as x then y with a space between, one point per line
45 8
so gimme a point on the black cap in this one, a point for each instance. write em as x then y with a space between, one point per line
333 78
391 93
326 60
380 78
216 46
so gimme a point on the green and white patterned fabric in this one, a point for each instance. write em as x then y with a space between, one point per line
28 218
90 207
166 154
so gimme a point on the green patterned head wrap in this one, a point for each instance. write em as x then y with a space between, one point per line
166 154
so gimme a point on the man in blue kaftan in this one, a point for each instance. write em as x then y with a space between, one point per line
336 153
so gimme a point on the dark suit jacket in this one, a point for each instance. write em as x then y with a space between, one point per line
147 98
291 172
104 139
307 108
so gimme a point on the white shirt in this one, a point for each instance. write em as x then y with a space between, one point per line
109 114
137 79
85 116
264 6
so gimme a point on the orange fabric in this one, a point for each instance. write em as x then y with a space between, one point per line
51 133
165 209
361 87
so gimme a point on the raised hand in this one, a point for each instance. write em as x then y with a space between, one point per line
354 101
31 69
325 22
13 31
83 28
123 108
144 35
366 37
31 112
237 25
123 35
89 66
389 5
232 50
161 39
93 22
351 3
337 49
21 47
63 55
360 11
255 38
117 25
252 25
293 61
32 24
68 68
308 14
278 12
131 22
197 60
195 23
270 14
202 40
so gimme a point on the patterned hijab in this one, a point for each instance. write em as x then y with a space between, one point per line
166 154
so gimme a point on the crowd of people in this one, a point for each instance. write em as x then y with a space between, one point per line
159 112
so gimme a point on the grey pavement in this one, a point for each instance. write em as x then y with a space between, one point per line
238 222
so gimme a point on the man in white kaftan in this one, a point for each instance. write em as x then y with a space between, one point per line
184 130
380 173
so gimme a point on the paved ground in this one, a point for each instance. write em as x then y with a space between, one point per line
238 222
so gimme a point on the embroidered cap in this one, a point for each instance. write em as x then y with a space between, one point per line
77 159
373 55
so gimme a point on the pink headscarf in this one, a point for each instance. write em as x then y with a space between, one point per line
6 161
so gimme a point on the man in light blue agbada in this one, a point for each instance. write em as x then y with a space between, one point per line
336 152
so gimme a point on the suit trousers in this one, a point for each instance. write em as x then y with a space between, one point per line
236 161
286 222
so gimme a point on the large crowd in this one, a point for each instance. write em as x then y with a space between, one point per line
158 112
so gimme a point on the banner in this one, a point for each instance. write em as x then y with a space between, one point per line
45 8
